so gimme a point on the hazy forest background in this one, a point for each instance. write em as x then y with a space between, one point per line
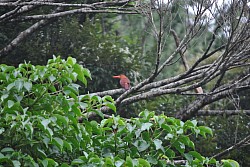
186 59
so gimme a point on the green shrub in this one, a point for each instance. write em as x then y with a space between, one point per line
39 111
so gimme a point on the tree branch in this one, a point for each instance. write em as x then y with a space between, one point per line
70 12
193 108
236 146
222 112
23 35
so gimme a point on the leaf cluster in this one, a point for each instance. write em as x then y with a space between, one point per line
40 107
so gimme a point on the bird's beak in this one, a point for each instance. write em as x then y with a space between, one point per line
117 76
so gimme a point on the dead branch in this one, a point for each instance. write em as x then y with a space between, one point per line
222 112
23 35
236 146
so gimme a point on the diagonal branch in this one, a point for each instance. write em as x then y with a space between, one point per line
22 36
193 108
236 146
20 9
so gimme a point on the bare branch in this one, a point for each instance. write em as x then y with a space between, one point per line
23 35
71 12
222 112
18 10
193 108
236 146
47 3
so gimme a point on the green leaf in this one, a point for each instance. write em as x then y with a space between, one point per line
10 103
118 162
143 162
166 127
52 78
16 163
73 120
27 86
77 162
146 115
111 106
58 142
4 96
52 88
64 165
10 86
205 130
76 110
169 136
71 90
180 131
7 149
108 98
2 76
129 162
106 122
158 144
170 153
42 153
49 132
185 140
230 163
45 162
5 160
83 105
108 162
41 71
64 120
30 128
67 145
137 133
73 76
151 159
71 61
141 145
87 73
96 98
179 146
18 98
98 112
80 73
19 85
194 122
130 127
95 159
6 68
146 126
1 130
188 157
51 162
46 141
196 155
45 123
95 127
212 161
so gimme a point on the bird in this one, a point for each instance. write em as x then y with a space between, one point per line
124 81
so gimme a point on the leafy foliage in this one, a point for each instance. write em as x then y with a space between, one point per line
40 107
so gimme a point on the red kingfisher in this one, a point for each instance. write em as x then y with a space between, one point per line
124 81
